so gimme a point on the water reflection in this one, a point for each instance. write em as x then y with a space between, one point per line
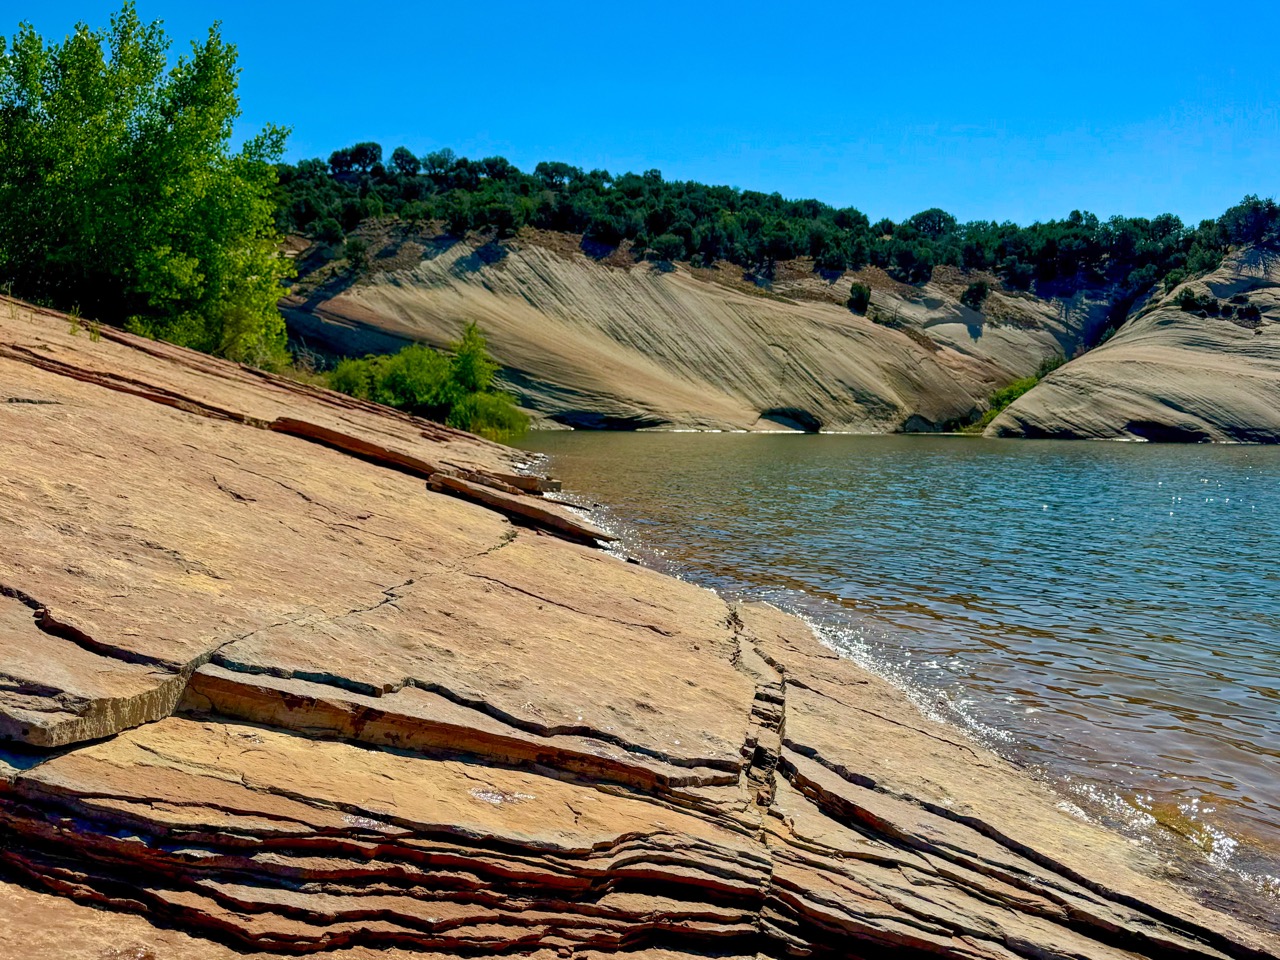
1105 612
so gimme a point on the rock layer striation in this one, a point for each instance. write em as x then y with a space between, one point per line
591 342
285 673
1171 374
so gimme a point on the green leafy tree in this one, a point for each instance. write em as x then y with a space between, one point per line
340 162
473 371
404 162
668 247
119 191
365 155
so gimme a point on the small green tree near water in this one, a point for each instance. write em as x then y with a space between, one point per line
119 191
457 389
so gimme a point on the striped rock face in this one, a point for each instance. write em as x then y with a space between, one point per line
286 673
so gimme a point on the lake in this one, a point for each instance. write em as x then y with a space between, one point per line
1106 614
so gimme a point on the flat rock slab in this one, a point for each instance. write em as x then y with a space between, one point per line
534 511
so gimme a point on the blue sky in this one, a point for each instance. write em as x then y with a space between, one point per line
1018 111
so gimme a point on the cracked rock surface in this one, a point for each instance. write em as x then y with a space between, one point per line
282 673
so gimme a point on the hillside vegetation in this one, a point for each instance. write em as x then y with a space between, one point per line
667 220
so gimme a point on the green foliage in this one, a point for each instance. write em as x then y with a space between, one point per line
677 220
859 298
1252 221
357 253
353 377
119 191
456 389
668 247
975 294
1192 302
329 230
492 415
1006 395
1047 366
404 162
472 369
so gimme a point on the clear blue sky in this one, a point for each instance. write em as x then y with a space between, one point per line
1009 110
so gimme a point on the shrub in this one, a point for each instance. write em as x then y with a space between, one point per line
472 370
417 379
975 294
1050 364
415 211
353 377
1018 274
492 415
667 247
456 389
859 298
329 230
357 253
1192 302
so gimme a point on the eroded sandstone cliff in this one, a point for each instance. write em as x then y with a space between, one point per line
285 672
606 342
1172 374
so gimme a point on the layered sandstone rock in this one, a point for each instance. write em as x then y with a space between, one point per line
284 673
590 342
1173 375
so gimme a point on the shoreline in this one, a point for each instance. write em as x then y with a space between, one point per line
296 674
1204 873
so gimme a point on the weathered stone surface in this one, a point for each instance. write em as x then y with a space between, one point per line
1170 375
596 344
279 695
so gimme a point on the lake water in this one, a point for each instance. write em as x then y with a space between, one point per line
1106 614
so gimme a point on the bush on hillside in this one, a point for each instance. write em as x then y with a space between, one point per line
492 415
330 231
859 298
975 294
667 247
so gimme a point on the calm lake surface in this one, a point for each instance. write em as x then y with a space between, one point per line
1107 614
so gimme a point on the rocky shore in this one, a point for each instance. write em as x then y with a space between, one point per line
282 672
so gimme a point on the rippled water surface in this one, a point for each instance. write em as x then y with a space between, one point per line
1108 614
